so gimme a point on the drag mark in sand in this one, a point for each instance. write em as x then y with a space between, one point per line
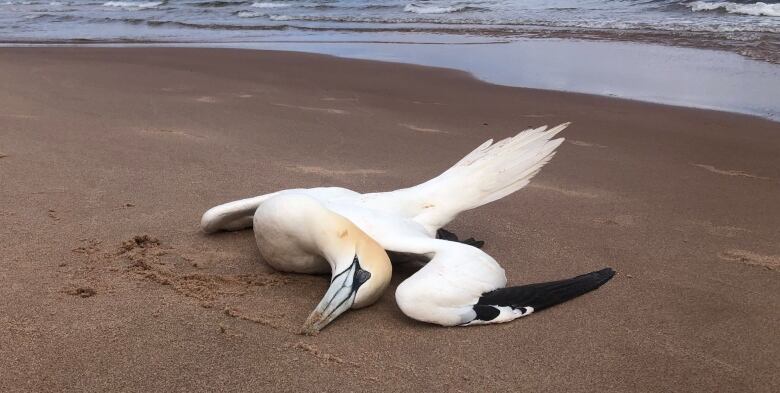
164 131
730 172
206 99
319 354
563 191
355 99
18 116
770 262
423 129
332 111
145 257
535 117
718 230
623 220
586 144
334 172
236 313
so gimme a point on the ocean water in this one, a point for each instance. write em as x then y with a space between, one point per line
741 25
563 45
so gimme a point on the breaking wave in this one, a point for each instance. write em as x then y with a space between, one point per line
437 9
756 9
270 5
134 5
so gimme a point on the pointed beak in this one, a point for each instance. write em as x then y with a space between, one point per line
339 298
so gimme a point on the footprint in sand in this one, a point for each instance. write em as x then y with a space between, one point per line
3 155
332 111
771 262
334 172
585 144
728 172
52 214
82 292
423 129
88 246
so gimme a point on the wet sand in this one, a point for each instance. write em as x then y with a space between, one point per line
108 157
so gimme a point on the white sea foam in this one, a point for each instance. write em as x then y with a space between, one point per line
249 14
270 5
281 17
254 14
433 9
133 5
756 9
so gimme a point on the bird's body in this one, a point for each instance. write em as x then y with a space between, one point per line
319 230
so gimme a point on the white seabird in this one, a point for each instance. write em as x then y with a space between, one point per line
348 234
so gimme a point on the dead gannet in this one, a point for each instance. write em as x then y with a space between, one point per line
348 234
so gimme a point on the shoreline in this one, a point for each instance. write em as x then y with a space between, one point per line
110 155
768 49
654 73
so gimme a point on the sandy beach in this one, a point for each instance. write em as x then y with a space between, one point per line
108 157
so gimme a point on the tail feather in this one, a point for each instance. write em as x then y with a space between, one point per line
488 173
544 295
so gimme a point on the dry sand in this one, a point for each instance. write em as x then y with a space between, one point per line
109 156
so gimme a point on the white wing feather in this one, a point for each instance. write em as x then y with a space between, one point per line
446 288
490 172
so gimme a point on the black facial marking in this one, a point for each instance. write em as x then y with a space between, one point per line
361 276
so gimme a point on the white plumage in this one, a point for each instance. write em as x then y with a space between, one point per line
339 230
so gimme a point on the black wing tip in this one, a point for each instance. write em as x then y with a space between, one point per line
604 274
444 234
548 294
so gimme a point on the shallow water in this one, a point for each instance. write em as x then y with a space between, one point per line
442 33
662 74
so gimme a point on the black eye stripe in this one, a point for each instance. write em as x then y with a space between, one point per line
361 276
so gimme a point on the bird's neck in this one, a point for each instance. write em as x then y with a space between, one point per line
340 241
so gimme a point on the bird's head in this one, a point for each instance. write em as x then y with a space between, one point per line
361 273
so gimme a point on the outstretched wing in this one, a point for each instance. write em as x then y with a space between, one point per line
463 285
490 172
237 215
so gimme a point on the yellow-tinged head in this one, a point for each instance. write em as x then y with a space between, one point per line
361 271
